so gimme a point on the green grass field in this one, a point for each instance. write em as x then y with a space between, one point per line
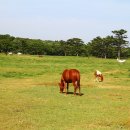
30 98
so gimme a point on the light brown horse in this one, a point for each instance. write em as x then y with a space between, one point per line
70 76
98 76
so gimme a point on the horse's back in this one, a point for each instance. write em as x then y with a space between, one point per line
71 75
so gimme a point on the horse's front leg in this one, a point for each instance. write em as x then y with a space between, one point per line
97 79
67 87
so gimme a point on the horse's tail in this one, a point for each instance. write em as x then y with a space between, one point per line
78 83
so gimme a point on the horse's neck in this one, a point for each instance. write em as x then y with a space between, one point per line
62 80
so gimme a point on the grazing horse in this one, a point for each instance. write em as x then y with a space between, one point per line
98 76
70 76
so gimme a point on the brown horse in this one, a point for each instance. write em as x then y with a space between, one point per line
70 76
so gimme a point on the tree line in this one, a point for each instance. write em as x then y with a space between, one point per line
112 46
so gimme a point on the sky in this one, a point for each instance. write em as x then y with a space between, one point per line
64 19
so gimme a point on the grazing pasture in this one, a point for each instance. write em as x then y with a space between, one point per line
30 98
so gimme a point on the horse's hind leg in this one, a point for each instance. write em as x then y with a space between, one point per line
75 88
78 85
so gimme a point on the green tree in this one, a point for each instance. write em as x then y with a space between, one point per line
96 47
108 49
120 42
75 45
6 43
20 45
64 47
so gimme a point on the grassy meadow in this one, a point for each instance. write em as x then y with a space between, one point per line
30 98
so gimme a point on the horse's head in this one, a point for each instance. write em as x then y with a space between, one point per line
61 85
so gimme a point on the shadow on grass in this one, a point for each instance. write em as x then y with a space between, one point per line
72 93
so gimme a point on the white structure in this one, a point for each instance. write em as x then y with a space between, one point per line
19 53
10 53
120 61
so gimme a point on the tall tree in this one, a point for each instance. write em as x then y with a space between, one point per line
97 47
64 47
120 42
75 45
6 43
107 46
